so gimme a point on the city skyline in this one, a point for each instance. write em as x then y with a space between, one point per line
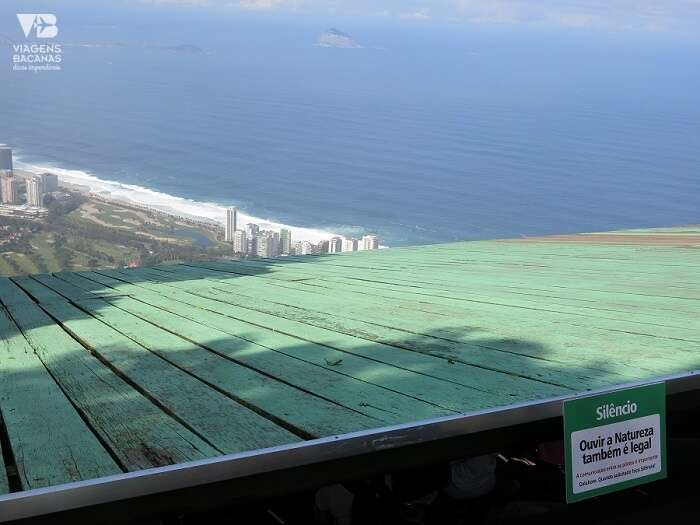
14 183
253 241
256 242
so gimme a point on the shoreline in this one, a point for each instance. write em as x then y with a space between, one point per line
179 207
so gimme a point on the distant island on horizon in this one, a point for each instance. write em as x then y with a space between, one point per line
336 38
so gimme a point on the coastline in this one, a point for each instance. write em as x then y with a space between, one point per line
139 196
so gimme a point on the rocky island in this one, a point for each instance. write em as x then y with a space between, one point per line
336 38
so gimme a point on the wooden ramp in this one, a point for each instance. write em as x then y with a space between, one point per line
115 371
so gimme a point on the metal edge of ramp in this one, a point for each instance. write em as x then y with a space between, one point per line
38 502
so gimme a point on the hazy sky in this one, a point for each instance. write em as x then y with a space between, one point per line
669 16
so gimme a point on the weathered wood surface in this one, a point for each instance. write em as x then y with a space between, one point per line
139 433
482 379
216 418
367 398
150 366
291 407
4 483
50 442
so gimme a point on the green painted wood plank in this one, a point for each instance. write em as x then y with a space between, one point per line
378 402
425 386
594 341
471 283
579 342
491 267
221 421
4 483
267 272
104 277
307 409
506 364
309 414
478 315
10 294
676 329
416 316
139 434
570 304
96 289
37 291
50 443
577 327
494 382
609 319
540 314
364 397
470 279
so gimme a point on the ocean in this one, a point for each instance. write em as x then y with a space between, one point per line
425 135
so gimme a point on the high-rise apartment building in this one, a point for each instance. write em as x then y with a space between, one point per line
264 245
370 242
5 158
304 248
285 242
276 240
50 181
240 242
350 245
35 192
255 242
268 244
252 242
231 223
335 245
9 187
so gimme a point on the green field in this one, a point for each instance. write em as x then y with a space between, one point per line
93 234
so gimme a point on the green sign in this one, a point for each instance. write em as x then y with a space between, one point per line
614 441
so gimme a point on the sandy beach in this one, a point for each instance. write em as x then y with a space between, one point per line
83 181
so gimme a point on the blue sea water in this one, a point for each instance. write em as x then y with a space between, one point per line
428 134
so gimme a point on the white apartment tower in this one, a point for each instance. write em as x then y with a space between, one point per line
370 242
305 248
263 246
252 245
240 242
350 245
35 192
276 243
9 187
231 223
285 242
335 245
268 244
